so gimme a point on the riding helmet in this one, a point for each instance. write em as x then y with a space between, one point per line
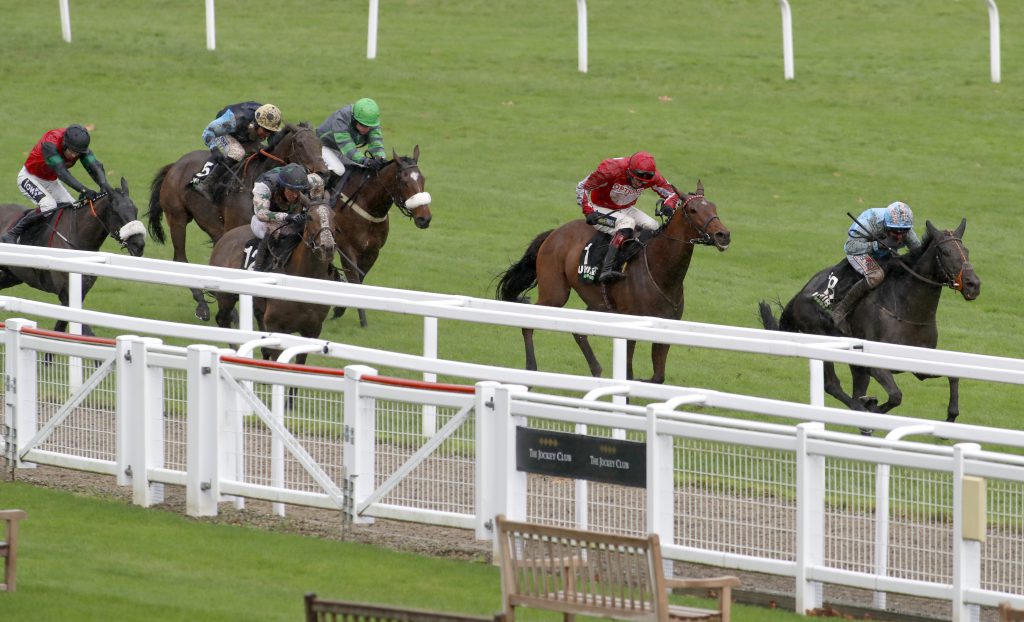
268 116
293 176
642 168
76 138
898 216
366 112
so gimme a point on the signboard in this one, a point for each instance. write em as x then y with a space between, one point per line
607 460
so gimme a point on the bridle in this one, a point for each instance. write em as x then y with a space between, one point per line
394 190
955 282
703 237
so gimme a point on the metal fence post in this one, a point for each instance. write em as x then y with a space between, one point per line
484 470
660 482
202 488
140 430
810 518
360 440
20 400
966 551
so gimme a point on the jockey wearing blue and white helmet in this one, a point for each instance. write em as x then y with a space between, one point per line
878 232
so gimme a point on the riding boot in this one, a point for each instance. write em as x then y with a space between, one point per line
611 260
206 179
27 219
263 256
841 310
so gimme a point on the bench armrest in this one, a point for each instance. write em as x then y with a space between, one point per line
712 582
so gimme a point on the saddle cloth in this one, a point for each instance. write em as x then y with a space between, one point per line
592 255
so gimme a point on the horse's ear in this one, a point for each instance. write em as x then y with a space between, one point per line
960 230
124 186
700 187
416 153
930 228
394 154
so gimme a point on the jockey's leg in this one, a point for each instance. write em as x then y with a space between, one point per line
842 310
27 219
609 273
261 261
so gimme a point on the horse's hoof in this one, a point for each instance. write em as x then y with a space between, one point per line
868 403
203 313
866 431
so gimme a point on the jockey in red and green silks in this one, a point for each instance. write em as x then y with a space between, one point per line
49 164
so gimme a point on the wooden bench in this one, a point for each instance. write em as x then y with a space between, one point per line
9 547
595 574
1007 613
323 610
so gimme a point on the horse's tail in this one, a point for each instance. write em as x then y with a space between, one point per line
522 275
156 228
767 317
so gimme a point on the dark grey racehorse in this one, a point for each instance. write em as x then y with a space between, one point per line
901 310
113 215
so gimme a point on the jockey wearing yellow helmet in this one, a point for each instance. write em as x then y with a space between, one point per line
238 129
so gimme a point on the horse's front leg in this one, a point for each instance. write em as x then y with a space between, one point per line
659 360
834 387
953 410
588 353
888 382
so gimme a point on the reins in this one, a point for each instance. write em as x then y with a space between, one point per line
952 282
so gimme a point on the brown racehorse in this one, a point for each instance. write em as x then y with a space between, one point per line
361 212
170 196
311 258
901 310
654 278
84 227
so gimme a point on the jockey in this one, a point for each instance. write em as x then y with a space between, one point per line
47 166
608 198
878 232
276 199
238 130
346 130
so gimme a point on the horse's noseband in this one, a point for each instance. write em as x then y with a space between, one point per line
953 282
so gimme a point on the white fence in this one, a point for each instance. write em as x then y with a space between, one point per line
787 498
798 501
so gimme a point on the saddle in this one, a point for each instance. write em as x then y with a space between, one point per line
592 255
39 232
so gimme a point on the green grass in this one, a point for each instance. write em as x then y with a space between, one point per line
84 558
891 101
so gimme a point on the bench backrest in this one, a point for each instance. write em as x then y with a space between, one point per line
581 572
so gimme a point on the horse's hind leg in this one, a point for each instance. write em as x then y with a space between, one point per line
835 388
588 353
531 355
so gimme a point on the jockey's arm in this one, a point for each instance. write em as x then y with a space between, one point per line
56 162
375 143
912 241
224 124
261 205
95 169
668 194
347 147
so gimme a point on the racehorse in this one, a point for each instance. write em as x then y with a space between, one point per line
361 212
82 227
312 257
170 195
654 278
901 310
